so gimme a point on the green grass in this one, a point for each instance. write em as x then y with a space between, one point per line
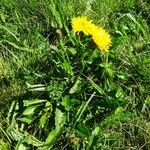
59 91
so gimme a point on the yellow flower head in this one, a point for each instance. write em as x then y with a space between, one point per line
101 38
81 24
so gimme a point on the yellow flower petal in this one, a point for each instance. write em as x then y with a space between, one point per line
81 24
102 39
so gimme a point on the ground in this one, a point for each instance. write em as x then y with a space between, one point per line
59 90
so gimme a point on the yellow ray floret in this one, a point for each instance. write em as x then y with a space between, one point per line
81 24
100 37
